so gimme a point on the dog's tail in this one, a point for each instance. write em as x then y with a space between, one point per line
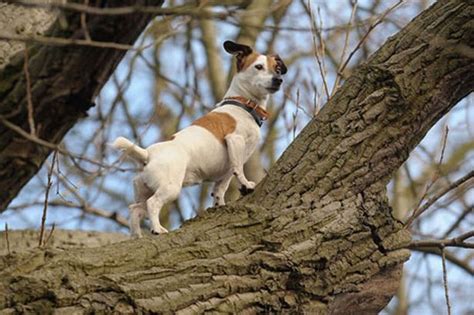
132 150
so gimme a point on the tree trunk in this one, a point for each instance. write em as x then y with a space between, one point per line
64 81
317 236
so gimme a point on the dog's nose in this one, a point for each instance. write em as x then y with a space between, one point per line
276 81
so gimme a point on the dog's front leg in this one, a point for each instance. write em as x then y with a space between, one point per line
220 188
236 151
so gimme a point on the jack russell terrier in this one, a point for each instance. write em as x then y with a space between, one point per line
214 148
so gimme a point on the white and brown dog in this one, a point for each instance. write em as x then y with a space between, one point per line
214 148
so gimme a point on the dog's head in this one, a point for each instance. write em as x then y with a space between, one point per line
260 73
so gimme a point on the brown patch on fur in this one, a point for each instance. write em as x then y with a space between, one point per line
219 124
271 63
275 63
245 61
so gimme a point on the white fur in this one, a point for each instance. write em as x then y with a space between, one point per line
196 155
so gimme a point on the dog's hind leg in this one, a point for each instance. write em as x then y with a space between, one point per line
154 204
137 213
138 209
236 151
220 188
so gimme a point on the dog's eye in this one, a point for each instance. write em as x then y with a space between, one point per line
259 67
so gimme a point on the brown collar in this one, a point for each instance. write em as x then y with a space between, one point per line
263 114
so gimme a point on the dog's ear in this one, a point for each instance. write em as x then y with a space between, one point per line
237 49
280 65
242 52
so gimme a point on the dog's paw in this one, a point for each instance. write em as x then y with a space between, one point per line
244 190
161 230
219 201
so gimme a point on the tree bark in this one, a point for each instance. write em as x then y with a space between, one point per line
64 81
317 236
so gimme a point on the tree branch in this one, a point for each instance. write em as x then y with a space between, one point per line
419 211
459 241
449 256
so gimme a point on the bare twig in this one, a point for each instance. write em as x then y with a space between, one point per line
346 44
183 10
459 241
114 216
464 265
458 221
438 195
49 145
50 234
58 41
214 61
364 38
186 9
45 208
31 120
443 148
295 114
445 281
416 212
7 239
84 22
319 58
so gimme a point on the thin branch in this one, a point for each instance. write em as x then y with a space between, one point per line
50 234
344 49
416 212
114 216
319 59
45 208
445 280
438 195
31 120
459 241
187 9
450 257
364 38
84 22
7 239
58 41
184 10
295 114
458 221
49 145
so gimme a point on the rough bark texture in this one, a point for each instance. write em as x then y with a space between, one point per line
24 240
317 236
65 80
22 21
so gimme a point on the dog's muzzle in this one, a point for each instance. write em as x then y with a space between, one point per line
276 83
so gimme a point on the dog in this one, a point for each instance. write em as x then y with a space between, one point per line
213 148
